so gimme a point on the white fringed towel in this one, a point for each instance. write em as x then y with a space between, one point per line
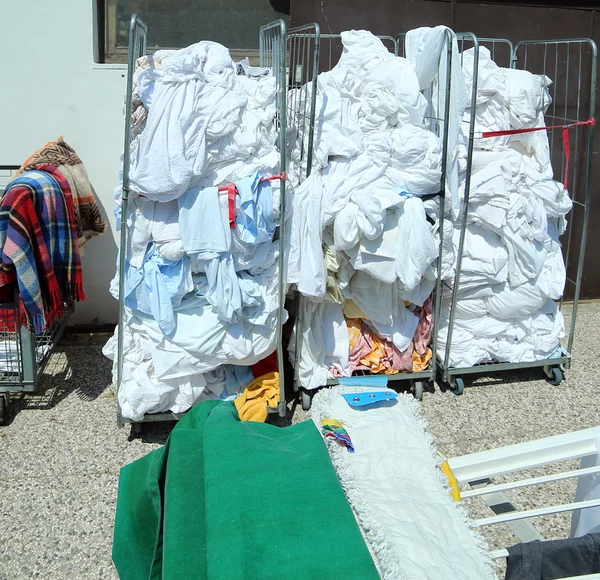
399 496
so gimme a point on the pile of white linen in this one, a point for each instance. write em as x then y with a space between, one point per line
201 296
359 230
512 268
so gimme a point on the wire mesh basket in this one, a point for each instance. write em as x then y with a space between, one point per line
23 354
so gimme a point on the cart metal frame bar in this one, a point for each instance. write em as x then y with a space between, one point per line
272 41
462 38
138 34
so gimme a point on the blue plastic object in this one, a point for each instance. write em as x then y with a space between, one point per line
380 381
369 398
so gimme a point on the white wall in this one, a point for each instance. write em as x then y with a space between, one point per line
50 86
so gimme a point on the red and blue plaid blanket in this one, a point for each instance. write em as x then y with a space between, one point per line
38 239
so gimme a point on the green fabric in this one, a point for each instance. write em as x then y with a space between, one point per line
225 499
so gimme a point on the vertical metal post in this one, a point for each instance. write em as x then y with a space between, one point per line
300 41
273 53
461 243
438 283
587 198
137 47
279 62
313 96
28 358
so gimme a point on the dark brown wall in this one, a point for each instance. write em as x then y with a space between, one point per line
500 19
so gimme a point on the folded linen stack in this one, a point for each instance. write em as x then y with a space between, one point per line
201 279
361 242
512 269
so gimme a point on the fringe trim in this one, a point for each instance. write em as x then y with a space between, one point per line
75 292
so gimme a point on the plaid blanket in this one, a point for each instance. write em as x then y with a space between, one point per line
38 240
87 214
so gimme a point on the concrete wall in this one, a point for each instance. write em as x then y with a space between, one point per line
50 86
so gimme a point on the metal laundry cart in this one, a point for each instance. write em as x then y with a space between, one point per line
329 52
23 354
571 63
273 47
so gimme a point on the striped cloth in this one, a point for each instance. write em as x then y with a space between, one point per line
87 214
38 237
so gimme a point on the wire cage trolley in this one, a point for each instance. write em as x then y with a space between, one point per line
23 354
571 65
512 465
329 50
272 39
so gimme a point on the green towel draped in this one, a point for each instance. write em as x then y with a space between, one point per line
225 499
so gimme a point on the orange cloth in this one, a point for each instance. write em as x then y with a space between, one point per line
261 393
376 357
354 331
420 363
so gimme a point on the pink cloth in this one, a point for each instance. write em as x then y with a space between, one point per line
372 353
422 336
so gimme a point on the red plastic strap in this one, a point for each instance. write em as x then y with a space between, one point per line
232 191
591 122
565 134
567 147
281 175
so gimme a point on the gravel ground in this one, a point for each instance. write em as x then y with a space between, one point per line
61 452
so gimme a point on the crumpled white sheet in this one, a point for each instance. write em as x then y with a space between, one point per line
154 222
310 367
199 113
492 112
426 49
159 369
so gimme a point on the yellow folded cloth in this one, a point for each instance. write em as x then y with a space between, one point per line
261 393
452 483
351 310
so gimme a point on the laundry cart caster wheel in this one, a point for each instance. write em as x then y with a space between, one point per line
417 390
458 386
136 428
4 405
306 400
557 376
